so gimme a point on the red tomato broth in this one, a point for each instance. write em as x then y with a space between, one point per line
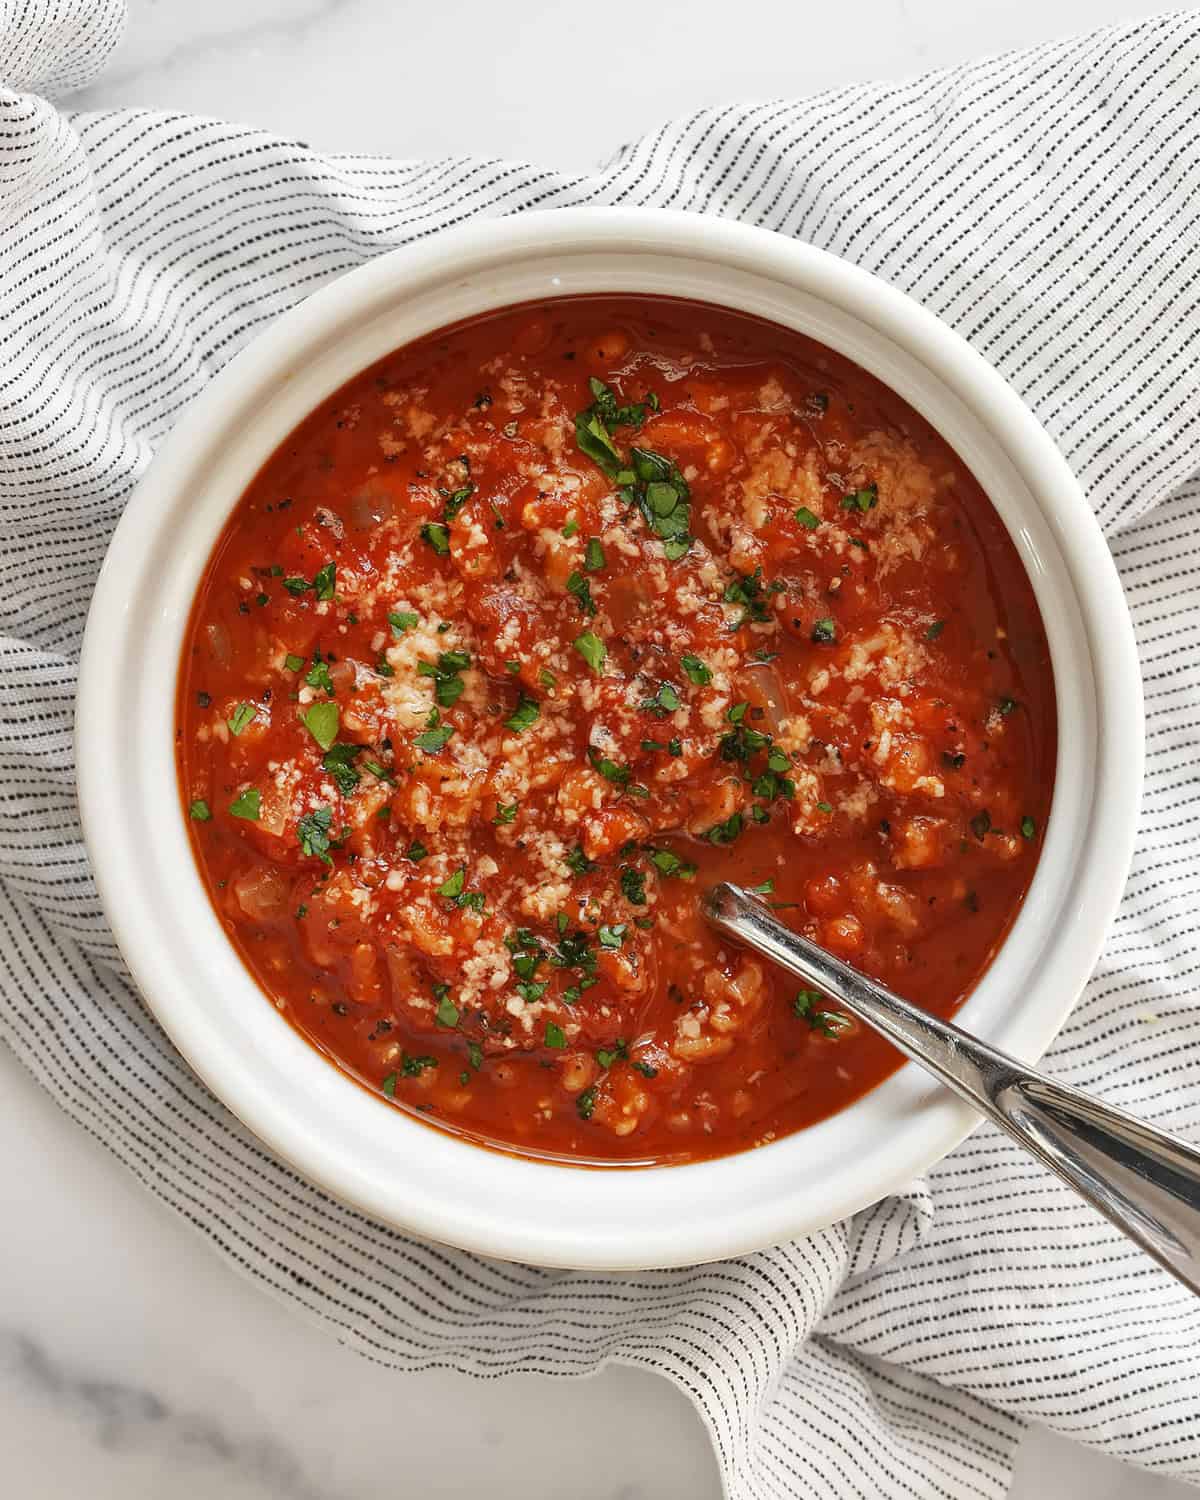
900 741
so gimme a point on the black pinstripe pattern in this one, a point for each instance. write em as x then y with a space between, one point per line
1046 204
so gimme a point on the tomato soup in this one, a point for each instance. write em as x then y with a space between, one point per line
553 618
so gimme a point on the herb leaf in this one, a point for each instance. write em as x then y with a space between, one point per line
433 740
592 649
437 537
862 500
240 717
526 713
321 721
247 804
313 832
581 591
339 760
696 671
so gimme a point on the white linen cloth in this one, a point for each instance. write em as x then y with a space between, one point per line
1045 204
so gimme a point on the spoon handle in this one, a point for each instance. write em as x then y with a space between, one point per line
1145 1181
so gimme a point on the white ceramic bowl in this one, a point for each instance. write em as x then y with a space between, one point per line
336 1133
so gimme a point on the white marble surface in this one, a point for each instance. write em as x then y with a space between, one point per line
132 1362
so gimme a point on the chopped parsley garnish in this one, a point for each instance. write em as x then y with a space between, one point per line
824 632
825 807
1006 706
726 832
696 671
862 500
556 1037
748 591
666 862
593 555
619 775
417 852
531 990
935 630
569 529
577 861
592 649
200 812
475 1055
526 951
594 426
586 1103
389 1085
247 804
318 676
433 740
452 890
633 886
339 760
447 676
525 714
648 481
765 888
664 702
830 1023
436 536
612 937
1028 828
321 721
770 785
401 621
413 1067
741 743
455 500
646 1070
325 581
505 814
661 494
313 833
293 663
606 1056
447 1012
547 678
240 717
581 591
381 773
806 518
297 586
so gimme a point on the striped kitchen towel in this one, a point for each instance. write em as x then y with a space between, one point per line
1046 205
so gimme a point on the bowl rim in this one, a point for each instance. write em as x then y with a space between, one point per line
934 1121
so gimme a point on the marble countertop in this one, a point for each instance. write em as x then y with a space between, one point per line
133 1363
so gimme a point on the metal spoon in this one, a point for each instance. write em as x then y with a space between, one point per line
1145 1181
